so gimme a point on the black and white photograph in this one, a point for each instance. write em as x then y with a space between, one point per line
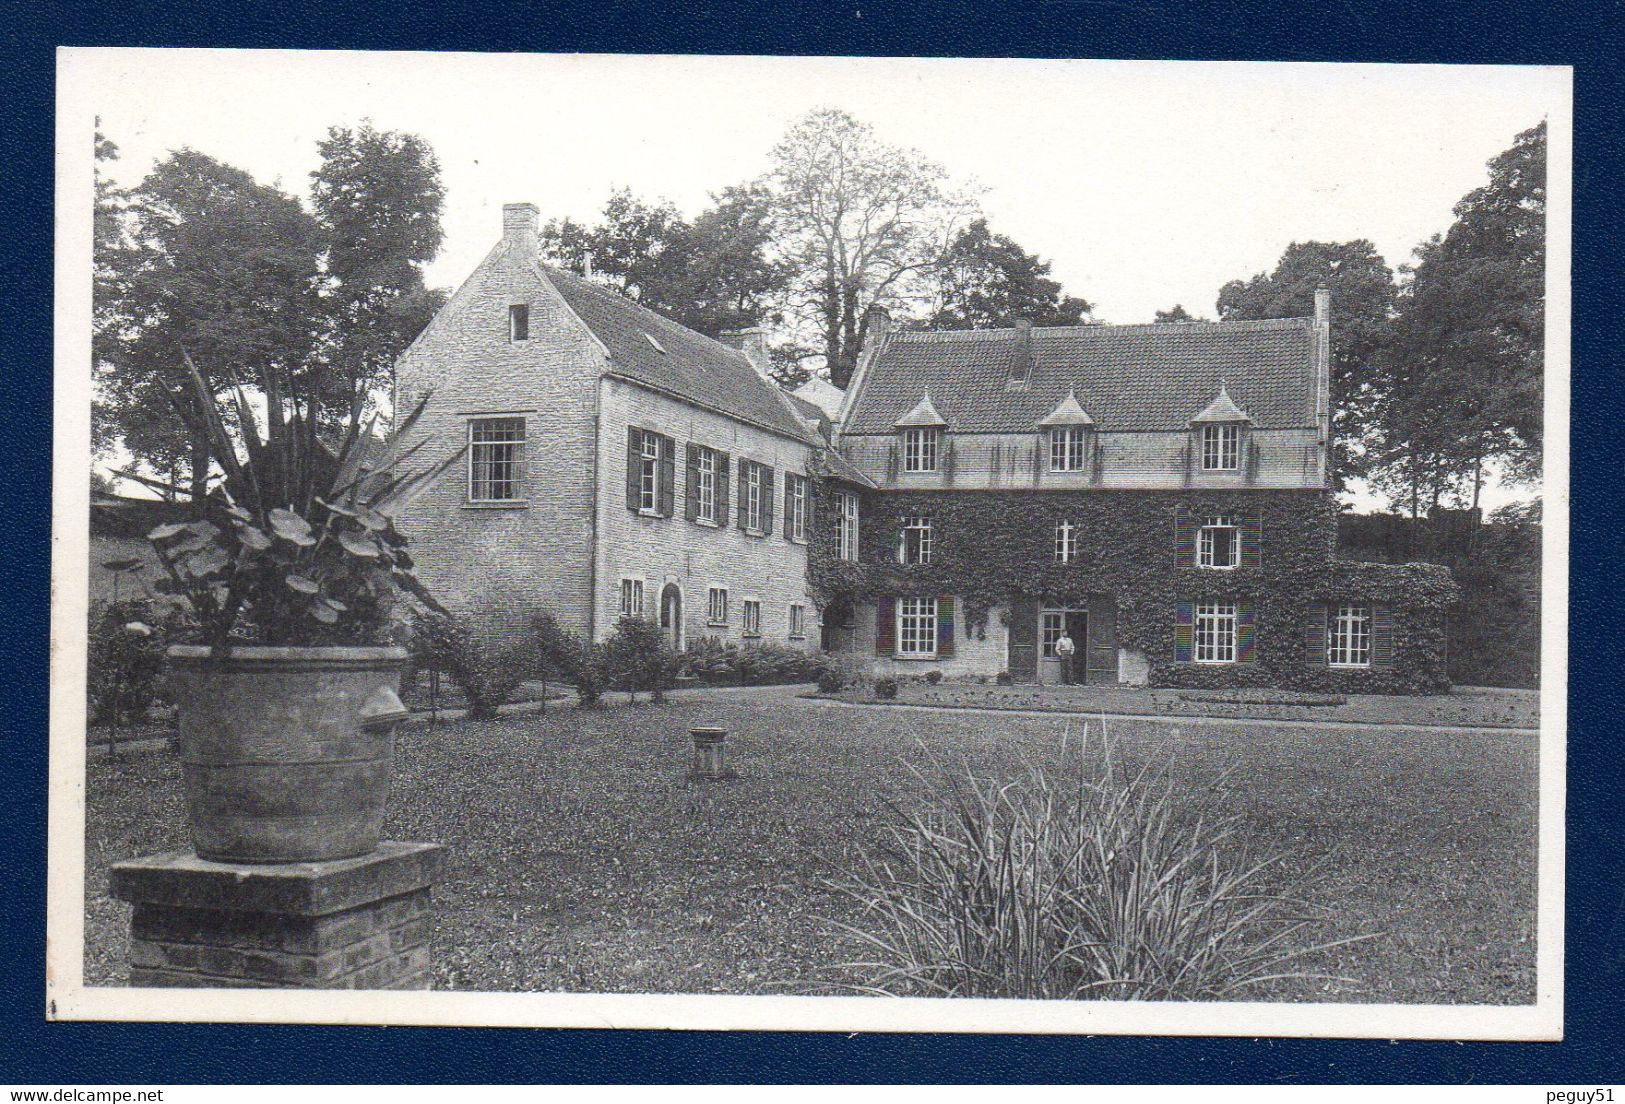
816 543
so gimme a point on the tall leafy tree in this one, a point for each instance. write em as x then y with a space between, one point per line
987 281
862 222
1363 296
1467 359
377 197
212 266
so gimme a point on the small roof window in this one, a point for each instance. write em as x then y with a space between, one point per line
659 348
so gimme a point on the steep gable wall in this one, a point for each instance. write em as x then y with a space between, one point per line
499 563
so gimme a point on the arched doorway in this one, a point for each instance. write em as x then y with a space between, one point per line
671 614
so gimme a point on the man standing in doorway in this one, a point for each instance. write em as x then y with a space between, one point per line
1064 648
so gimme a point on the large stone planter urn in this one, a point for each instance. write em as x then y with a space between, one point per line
287 753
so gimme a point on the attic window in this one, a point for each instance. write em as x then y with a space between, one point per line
659 348
519 322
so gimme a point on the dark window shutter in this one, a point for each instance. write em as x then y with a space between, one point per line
667 472
789 502
723 472
945 627
885 626
1022 657
634 465
1382 636
1252 539
1184 540
1314 635
768 475
1246 630
1184 631
744 499
691 483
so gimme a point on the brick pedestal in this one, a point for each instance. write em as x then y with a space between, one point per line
352 924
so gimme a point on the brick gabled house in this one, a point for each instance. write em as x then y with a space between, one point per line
618 463
1159 492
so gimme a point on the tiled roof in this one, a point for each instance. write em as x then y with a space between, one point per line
840 467
1147 377
692 366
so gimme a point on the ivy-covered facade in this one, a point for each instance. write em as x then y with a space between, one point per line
1156 493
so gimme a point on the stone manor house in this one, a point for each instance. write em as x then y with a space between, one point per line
1158 491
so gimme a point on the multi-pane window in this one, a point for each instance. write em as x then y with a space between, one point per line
1350 644
753 497
1066 541
1215 632
752 623
649 473
915 545
1221 447
705 485
798 621
631 597
1067 448
1217 544
849 525
496 459
795 499
917 627
920 449
519 322
716 612
1051 624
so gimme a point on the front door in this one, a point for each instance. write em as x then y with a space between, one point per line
671 615
1051 622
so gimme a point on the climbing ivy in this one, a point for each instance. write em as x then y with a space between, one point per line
990 547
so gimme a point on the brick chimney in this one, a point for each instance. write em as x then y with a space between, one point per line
876 325
519 221
752 341
1323 365
1021 363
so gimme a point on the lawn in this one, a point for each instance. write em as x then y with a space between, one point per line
582 858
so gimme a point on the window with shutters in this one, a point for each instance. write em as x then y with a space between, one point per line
519 322
798 621
753 496
1350 637
1066 541
496 459
631 597
1215 632
795 507
1218 542
917 627
920 449
1068 448
705 485
751 625
1221 447
649 473
848 510
914 547
716 612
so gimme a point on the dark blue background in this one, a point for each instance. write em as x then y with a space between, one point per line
1588 38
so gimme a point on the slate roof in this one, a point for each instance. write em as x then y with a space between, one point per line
692 367
1153 377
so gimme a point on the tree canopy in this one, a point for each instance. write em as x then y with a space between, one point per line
987 281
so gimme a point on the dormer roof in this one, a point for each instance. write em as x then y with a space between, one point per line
923 414
1067 413
1221 409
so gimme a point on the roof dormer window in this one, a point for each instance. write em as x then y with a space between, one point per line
1068 427
921 430
1220 434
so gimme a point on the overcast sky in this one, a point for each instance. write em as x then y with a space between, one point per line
1145 183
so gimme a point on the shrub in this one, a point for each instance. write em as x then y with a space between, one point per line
885 687
1003 678
488 670
933 677
840 672
1091 881
639 657
125 665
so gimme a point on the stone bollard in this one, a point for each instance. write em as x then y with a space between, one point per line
359 923
710 755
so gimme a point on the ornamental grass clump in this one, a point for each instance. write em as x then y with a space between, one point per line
1091 880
